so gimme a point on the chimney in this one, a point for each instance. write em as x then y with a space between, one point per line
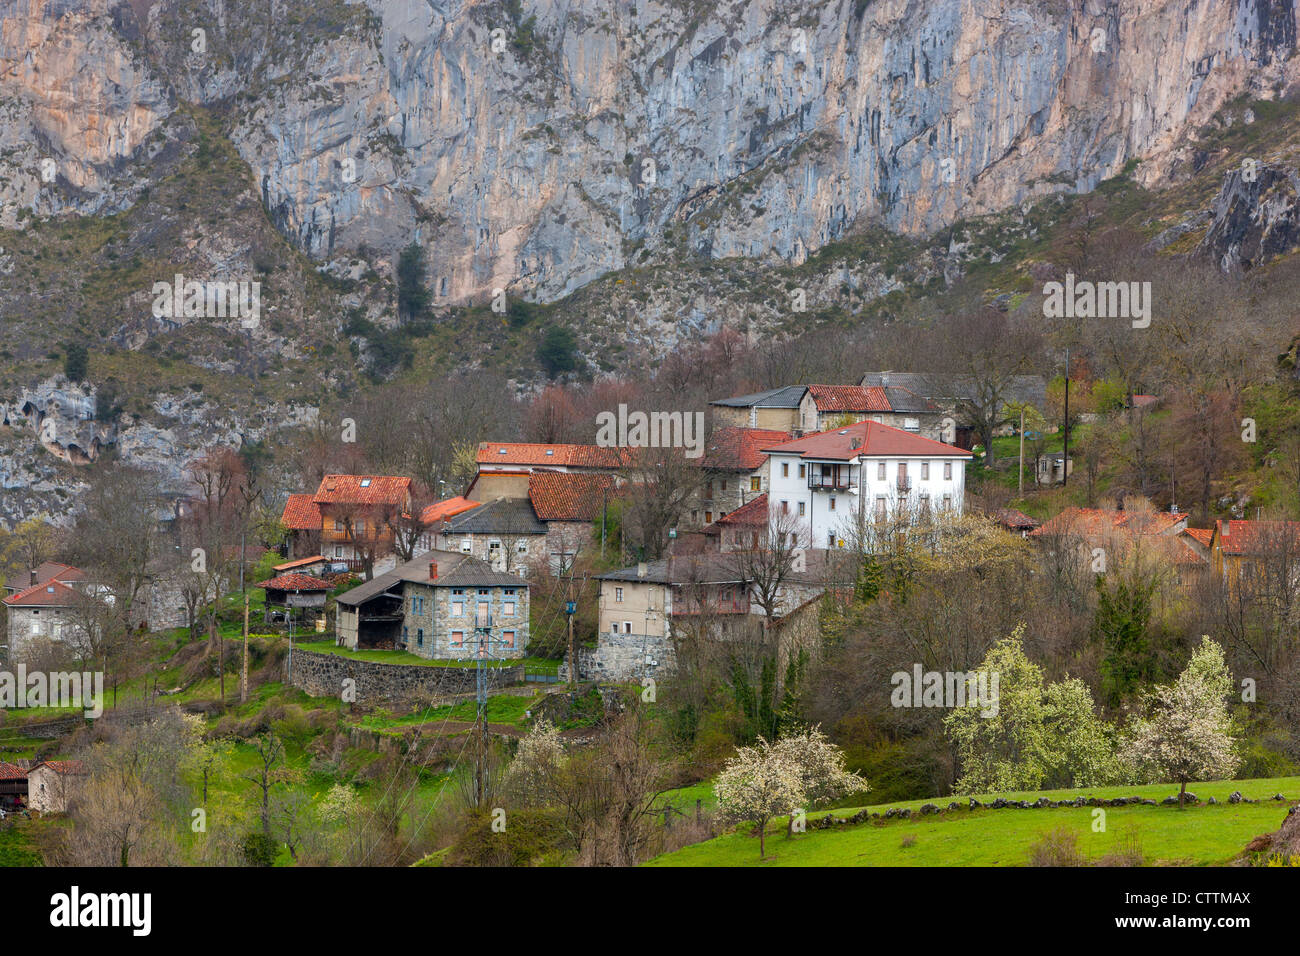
884 378
855 442
31 579
433 570
640 569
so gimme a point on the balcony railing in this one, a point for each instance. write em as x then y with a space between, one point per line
828 482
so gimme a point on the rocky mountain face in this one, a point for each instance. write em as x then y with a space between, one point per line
659 168
533 146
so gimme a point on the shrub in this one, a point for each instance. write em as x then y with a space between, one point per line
1059 847
259 849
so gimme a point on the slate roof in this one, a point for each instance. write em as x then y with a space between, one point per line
938 385
454 570
788 396
502 516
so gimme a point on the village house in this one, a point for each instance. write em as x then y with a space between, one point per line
1256 554
13 785
1101 538
53 784
44 610
827 486
505 533
645 610
503 467
736 469
350 518
294 596
436 607
802 409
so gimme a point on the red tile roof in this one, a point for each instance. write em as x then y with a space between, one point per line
294 582
752 512
1257 537
301 513
447 508
565 496
557 455
53 593
11 771
872 440
44 572
1091 522
850 398
362 490
1011 518
740 449
1202 536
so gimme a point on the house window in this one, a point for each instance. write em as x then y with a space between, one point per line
613 628
802 506
902 472
509 592
785 507
466 545
708 489
419 637
785 469
521 547
880 507
457 608
925 504
483 592
618 594
338 551
755 483
365 482
508 608
405 634
947 502
457 638
508 638
708 517
627 627
723 483
947 471
880 471
830 539
925 471
803 470
359 527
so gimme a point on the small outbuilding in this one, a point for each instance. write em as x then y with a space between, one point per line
297 595
51 784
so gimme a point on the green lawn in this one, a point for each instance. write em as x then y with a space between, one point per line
1198 836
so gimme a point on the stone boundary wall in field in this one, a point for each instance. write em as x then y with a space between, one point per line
323 675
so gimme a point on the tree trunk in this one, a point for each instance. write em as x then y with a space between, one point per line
1182 795
762 839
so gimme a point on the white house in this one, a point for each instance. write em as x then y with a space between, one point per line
827 484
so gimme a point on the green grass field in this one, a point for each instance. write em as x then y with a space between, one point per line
1200 835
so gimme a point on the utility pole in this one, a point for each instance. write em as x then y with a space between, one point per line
1021 488
483 627
570 607
1065 460
243 670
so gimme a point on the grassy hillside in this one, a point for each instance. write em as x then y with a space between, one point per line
1200 835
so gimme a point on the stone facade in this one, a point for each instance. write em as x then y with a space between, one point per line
431 626
323 675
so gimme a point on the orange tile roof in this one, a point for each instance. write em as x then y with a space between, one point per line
301 513
1011 518
752 512
1202 536
11 771
565 496
557 455
850 398
1098 521
740 449
873 440
294 582
447 508
53 593
362 490
1257 537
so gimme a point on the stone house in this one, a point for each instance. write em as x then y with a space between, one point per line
52 784
437 606
43 611
736 469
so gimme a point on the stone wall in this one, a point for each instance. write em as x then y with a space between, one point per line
622 657
323 675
